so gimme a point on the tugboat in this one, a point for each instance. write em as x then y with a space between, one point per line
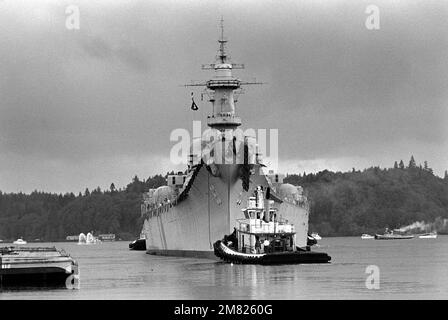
311 241
138 244
390 235
316 236
264 237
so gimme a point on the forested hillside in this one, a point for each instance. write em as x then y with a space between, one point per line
356 202
342 203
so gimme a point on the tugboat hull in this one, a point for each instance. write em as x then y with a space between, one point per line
392 237
139 244
297 257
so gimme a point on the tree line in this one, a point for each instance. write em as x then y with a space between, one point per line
51 217
368 201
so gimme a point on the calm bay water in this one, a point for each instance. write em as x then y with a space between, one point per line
409 269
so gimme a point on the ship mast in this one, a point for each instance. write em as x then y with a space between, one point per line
222 86
222 42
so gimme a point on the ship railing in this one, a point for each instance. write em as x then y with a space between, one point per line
223 83
264 227
223 119
224 115
261 249
159 209
10 249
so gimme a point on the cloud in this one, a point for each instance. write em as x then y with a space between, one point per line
124 52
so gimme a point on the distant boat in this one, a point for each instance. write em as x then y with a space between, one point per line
72 238
311 241
390 235
138 244
107 237
431 235
316 236
366 236
19 241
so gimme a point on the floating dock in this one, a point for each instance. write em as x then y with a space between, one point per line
37 266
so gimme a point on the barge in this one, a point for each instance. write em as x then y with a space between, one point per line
37 266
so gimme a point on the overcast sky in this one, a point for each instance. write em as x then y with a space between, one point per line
84 108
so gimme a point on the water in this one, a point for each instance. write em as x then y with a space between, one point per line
409 269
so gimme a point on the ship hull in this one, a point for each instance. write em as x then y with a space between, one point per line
208 213
392 237
183 253
287 257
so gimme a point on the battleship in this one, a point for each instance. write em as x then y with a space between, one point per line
201 205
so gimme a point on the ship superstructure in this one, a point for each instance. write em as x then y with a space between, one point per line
201 205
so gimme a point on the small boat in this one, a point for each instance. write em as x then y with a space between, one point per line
311 241
366 236
138 244
19 241
316 236
34 266
264 238
431 235
390 235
